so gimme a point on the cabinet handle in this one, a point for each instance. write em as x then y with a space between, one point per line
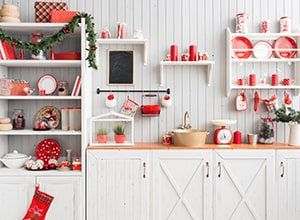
219 167
144 170
282 169
207 169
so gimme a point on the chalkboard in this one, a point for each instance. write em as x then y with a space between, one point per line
120 67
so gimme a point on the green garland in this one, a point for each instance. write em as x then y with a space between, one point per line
50 41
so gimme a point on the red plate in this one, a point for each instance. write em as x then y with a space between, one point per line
47 149
282 43
241 43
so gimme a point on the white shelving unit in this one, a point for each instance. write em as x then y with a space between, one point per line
142 42
209 65
255 37
26 140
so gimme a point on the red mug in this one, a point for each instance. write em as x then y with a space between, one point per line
105 34
166 139
287 81
241 81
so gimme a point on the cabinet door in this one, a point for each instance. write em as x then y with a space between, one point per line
117 185
67 203
182 184
288 175
16 195
245 184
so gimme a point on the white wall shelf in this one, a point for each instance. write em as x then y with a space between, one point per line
143 42
233 64
209 65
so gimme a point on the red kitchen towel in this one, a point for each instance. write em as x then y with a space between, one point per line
43 10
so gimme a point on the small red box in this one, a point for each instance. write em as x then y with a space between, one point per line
62 16
67 56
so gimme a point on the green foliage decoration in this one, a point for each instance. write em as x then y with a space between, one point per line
119 129
287 114
50 41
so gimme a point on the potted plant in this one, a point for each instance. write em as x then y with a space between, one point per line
289 115
119 131
102 136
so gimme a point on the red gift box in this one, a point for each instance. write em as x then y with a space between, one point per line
43 10
62 16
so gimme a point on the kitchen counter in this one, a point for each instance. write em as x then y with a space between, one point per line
159 146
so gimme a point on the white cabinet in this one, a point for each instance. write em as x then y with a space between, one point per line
16 194
118 185
288 177
182 184
262 67
67 203
244 184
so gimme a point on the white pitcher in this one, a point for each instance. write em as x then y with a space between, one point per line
294 136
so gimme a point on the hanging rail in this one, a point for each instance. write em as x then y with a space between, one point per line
168 91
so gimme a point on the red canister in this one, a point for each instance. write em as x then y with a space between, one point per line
174 52
252 79
265 26
274 79
193 53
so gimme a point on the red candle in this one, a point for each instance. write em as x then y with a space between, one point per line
193 52
174 52
237 137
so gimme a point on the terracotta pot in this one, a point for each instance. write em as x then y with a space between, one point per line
120 138
102 139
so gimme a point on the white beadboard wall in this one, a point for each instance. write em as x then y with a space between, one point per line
183 22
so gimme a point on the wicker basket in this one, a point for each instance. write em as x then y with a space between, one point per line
62 16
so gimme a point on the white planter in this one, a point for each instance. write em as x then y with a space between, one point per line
294 136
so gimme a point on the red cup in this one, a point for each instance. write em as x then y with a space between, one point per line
42 92
274 79
287 81
241 81
105 34
193 53
174 52
252 79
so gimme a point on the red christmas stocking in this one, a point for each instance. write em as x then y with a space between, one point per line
39 205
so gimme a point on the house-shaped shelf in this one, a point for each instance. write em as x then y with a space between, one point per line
109 121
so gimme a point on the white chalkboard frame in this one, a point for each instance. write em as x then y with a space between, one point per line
120 67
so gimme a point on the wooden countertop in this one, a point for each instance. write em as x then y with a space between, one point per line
159 146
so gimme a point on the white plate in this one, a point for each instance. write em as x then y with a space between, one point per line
262 50
48 83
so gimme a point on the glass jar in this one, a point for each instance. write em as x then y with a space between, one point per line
18 119
62 88
38 54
